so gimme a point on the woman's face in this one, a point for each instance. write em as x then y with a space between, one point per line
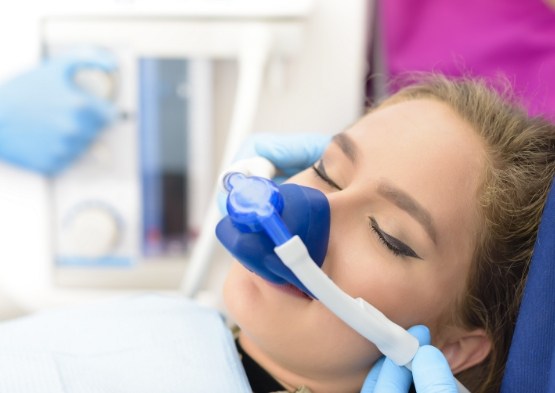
402 186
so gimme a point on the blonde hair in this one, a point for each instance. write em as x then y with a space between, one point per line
520 168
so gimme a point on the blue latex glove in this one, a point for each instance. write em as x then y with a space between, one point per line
46 121
290 153
430 371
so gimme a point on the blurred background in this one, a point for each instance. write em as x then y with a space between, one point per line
193 78
179 86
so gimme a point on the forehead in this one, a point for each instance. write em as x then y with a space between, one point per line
425 130
426 117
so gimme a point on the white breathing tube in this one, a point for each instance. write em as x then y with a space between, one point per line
391 339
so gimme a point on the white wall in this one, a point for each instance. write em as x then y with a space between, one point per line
323 88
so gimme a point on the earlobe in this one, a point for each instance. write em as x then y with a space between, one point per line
467 350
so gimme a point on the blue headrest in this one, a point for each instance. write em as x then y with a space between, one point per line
531 363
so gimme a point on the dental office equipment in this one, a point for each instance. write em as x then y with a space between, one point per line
144 187
255 205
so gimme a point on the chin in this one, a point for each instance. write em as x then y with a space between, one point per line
259 306
265 314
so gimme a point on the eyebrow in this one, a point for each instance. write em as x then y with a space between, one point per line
395 195
407 203
346 145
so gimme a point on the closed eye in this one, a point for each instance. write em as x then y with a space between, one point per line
320 171
397 247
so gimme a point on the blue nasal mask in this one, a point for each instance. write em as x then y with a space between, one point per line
262 215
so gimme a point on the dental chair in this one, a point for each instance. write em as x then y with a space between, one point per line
531 363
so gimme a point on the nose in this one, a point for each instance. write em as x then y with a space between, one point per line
342 207
340 216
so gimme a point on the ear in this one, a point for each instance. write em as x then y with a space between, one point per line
466 349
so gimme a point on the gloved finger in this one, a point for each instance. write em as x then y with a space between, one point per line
72 132
57 166
393 378
292 151
397 379
422 333
431 372
372 377
77 147
39 164
98 112
89 57
53 161
66 155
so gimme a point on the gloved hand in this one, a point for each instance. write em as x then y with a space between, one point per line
290 153
46 120
430 371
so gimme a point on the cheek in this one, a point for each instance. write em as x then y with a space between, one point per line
237 292
408 292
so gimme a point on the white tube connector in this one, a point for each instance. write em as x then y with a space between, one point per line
254 166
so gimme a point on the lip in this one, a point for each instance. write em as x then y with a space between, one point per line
289 289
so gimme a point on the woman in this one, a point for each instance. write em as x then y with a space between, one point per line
435 196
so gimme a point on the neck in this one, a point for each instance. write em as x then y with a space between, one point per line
293 379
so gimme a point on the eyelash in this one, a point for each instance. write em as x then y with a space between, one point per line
403 251
320 172
392 248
